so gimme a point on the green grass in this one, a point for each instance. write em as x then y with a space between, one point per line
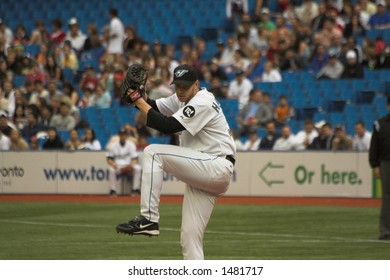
75 231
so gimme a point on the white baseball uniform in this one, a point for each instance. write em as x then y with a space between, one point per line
200 162
123 155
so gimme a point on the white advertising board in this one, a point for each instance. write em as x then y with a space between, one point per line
311 174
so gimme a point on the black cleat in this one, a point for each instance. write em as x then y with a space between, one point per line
139 225
112 193
135 193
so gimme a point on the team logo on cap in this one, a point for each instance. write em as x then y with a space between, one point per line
180 73
189 111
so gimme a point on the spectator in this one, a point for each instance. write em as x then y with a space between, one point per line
253 142
54 142
227 57
131 136
88 99
307 11
102 97
254 114
354 28
271 74
319 59
368 6
244 46
362 137
324 140
17 142
20 118
90 142
219 50
32 127
116 35
74 142
41 57
45 115
237 141
36 74
20 35
291 62
239 88
265 21
381 19
5 125
38 93
92 41
39 35
57 36
139 128
234 11
70 92
283 112
217 72
240 61
305 137
122 158
5 143
8 92
341 141
352 69
63 120
131 39
89 79
68 57
268 141
217 88
7 33
318 22
53 91
286 142
333 69
53 71
255 70
75 35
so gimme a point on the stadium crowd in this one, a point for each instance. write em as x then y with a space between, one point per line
77 69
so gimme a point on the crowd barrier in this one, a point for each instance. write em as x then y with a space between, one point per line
303 174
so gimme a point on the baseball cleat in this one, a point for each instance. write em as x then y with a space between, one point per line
139 225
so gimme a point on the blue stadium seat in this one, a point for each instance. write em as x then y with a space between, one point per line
32 50
19 80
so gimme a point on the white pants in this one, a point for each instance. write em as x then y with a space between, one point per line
114 173
206 177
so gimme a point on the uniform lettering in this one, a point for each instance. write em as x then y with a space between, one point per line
216 107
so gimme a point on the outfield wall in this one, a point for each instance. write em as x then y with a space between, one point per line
311 174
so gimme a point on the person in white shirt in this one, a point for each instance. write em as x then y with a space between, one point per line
90 141
227 56
122 159
117 34
5 143
287 140
362 137
270 73
75 35
306 136
253 142
239 88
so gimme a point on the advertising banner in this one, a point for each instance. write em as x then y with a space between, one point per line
311 174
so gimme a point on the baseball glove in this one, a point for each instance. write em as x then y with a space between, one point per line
126 170
136 77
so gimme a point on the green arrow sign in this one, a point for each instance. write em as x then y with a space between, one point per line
269 183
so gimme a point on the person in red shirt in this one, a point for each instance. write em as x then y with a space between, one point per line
57 37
